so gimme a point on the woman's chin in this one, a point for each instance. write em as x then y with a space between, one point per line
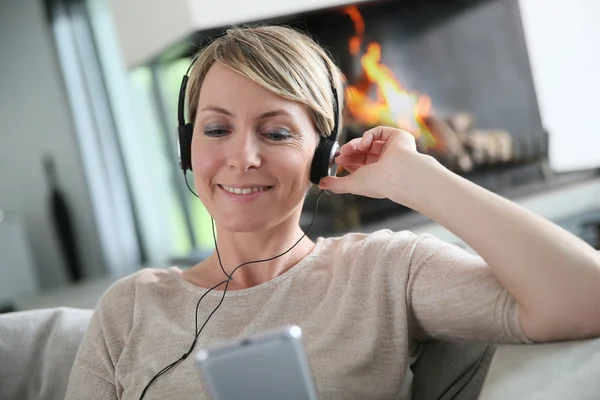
248 221
245 224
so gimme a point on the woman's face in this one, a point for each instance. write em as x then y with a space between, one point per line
251 152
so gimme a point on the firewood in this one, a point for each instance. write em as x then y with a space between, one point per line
478 145
491 146
462 123
450 142
506 147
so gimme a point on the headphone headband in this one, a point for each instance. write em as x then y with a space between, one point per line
181 101
336 113
336 117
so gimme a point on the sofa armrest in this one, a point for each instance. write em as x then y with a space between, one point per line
37 350
565 370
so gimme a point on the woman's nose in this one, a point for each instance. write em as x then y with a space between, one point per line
244 153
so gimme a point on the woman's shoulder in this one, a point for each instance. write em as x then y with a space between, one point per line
381 246
380 237
380 243
125 290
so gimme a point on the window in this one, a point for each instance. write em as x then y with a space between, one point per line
126 123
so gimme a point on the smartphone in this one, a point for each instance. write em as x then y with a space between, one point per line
268 366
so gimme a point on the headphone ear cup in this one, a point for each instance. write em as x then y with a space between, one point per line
185 134
323 163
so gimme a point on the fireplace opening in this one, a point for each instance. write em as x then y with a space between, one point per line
456 74
376 96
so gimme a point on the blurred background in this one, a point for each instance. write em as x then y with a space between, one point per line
503 92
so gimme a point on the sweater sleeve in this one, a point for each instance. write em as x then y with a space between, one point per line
93 373
453 294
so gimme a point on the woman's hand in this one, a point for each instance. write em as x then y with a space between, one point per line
381 164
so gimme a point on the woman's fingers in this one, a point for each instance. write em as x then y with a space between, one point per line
380 133
351 159
384 134
367 149
352 148
367 160
373 140
356 159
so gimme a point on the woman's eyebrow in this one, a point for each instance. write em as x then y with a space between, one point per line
268 114
274 113
217 110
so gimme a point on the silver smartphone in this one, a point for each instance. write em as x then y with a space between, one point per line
267 366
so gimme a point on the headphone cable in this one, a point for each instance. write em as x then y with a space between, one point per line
226 282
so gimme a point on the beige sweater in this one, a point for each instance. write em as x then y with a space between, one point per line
363 302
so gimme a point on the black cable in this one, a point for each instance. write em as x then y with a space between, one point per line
212 221
226 282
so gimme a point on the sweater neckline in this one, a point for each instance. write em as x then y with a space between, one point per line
176 273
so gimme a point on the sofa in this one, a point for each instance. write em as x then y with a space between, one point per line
37 349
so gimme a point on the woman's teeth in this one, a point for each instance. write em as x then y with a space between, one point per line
244 191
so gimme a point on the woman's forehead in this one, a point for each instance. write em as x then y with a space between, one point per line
226 89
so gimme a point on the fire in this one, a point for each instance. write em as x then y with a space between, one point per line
359 27
394 105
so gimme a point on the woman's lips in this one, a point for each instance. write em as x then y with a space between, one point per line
256 191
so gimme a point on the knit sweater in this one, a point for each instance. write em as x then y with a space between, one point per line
364 302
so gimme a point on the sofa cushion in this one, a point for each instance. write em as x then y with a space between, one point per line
37 350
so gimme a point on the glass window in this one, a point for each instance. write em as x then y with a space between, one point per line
171 75
173 225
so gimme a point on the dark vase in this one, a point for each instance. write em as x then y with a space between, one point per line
63 223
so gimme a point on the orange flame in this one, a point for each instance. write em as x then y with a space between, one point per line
394 105
359 27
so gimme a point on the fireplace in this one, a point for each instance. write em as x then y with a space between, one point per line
464 65
454 73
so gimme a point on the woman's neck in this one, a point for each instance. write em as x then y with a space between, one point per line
236 248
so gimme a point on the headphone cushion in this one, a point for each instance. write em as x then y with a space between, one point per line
322 161
185 146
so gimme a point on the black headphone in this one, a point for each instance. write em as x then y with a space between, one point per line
323 163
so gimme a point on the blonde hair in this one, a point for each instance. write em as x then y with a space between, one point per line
280 59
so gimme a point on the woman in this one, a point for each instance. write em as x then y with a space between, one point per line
259 98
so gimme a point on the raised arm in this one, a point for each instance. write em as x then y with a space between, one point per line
553 275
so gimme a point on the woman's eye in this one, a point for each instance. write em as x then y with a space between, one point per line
215 132
278 135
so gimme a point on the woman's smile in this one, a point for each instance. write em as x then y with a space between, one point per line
243 194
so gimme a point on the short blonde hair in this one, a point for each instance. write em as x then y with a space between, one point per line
280 59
